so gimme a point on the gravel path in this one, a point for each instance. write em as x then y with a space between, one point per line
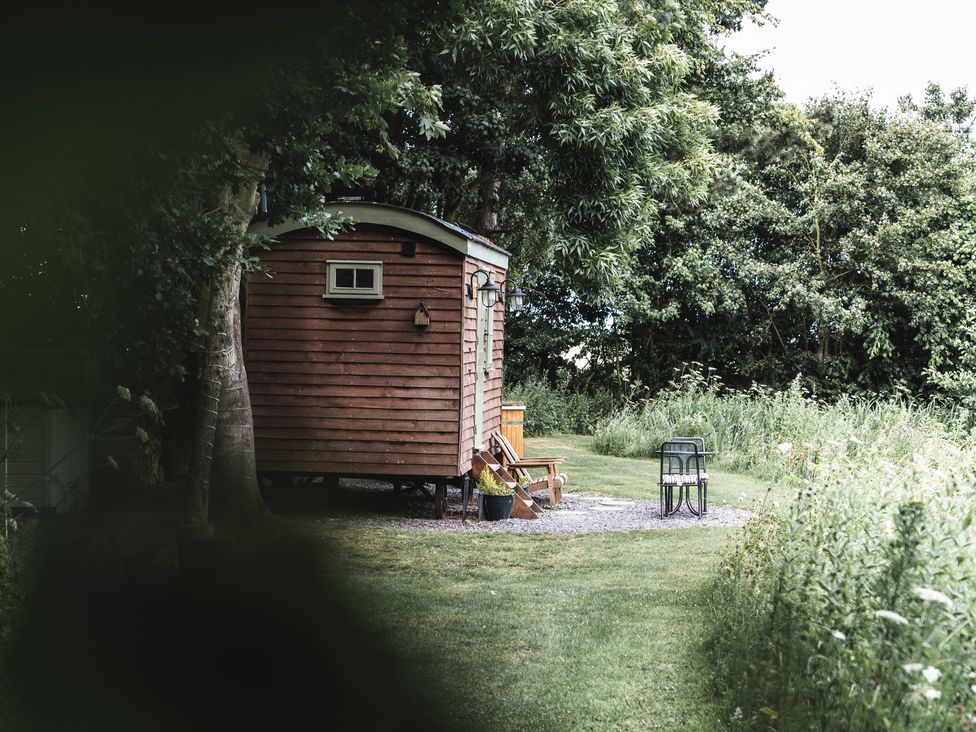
578 513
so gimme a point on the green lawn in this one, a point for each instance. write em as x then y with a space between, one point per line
589 632
635 477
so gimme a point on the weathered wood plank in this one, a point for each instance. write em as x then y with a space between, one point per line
355 359
401 268
354 432
351 382
404 299
367 342
267 364
418 448
365 403
361 320
365 419
263 340
289 280
366 392
363 458
318 467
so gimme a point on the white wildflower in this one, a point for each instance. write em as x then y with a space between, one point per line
931 674
912 667
784 447
931 694
892 616
838 635
973 688
930 595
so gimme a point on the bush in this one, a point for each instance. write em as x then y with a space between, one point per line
550 410
855 610
16 554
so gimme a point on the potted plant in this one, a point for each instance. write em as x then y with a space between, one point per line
497 498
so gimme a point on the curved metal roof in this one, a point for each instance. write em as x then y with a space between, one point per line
416 222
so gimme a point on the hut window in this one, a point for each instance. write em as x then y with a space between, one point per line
353 279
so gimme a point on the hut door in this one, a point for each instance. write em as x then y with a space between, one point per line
482 366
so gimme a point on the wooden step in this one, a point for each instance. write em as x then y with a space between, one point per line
525 507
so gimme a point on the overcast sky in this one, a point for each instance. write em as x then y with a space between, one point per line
892 46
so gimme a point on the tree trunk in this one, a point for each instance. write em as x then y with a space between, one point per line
223 475
488 210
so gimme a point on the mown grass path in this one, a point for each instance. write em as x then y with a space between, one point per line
515 632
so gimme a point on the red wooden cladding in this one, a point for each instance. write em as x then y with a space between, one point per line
390 385
330 444
265 339
302 282
314 302
354 403
390 420
317 269
339 436
368 391
358 323
368 340
380 372
356 387
270 464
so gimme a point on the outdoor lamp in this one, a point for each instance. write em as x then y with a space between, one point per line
515 299
489 291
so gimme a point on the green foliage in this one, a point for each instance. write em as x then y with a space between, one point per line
855 608
836 244
491 486
16 565
550 410
119 256
578 117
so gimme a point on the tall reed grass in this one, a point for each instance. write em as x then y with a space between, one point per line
856 608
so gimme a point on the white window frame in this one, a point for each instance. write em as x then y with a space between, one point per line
333 291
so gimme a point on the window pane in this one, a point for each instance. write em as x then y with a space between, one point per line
364 279
344 277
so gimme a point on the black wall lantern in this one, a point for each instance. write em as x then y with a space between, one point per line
490 293
515 299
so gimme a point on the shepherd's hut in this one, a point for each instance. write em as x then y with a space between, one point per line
378 352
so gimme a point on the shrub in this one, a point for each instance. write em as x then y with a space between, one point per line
855 609
491 486
550 410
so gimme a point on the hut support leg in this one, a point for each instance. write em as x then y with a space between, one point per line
440 498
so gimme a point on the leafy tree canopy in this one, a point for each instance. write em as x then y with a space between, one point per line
836 244
572 128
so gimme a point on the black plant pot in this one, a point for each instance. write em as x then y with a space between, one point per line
498 508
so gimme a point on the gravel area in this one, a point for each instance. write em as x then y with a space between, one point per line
578 513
